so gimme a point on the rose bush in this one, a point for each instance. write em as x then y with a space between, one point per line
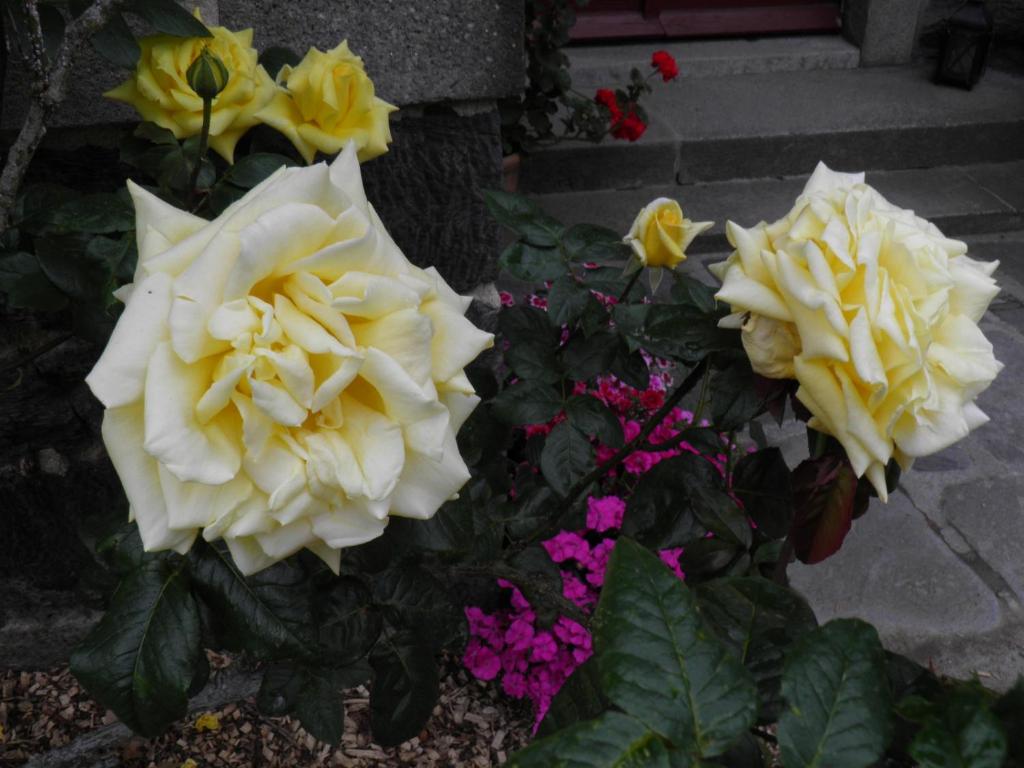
873 311
326 101
159 87
282 377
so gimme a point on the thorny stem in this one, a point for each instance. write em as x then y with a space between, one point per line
48 91
629 286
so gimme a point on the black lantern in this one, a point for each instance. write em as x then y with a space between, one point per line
965 45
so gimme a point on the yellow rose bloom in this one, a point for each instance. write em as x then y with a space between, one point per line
326 101
160 92
873 311
661 234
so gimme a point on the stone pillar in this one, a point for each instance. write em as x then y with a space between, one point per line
885 30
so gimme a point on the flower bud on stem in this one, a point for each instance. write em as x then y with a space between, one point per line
207 76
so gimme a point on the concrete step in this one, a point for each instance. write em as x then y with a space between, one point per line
960 200
604 66
782 123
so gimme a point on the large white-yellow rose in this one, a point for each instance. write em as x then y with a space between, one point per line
282 377
873 311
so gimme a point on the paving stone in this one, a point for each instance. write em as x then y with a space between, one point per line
896 572
990 515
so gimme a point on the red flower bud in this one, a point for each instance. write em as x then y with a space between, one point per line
665 64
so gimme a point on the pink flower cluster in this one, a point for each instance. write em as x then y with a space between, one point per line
534 662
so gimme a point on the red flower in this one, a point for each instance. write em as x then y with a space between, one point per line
665 64
631 127
606 98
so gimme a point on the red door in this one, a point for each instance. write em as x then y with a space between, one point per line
702 18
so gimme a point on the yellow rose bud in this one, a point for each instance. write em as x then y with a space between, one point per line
326 101
661 234
161 91
873 311
207 75
770 345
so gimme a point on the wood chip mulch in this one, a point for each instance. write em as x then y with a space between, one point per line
473 724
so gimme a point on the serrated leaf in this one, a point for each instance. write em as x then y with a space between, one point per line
761 480
758 620
411 598
593 418
588 356
567 301
567 457
169 18
97 214
589 242
116 43
527 402
660 664
141 658
524 217
266 614
67 262
532 263
404 690
839 713
612 740
688 291
734 398
580 698
533 511
347 624
26 286
315 695
250 170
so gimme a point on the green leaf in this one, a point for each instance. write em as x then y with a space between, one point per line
116 43
734 398
523 216
67 262
567 301
534 510
277 56
960 730
404 691
266 614
580 698
535 362
411 598
140 659
839 711
683 333
250 170
531 263
1010 710
315 695
594 419
587 357
527 402
169 18
96 214
567 457
705 557
660 664
761 480
824 497
690 292
347 624
758 620
26 286
589 242
612 740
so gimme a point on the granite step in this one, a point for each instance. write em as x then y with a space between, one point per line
960 200
602 66
771 124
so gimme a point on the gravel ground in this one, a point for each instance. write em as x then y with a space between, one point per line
473 725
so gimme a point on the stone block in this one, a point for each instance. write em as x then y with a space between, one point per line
427 189
885 30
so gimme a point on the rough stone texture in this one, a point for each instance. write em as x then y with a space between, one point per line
885 30
597 66
782 123
40 627
427 191
416 53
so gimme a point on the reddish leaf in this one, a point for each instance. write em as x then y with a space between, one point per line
824 500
